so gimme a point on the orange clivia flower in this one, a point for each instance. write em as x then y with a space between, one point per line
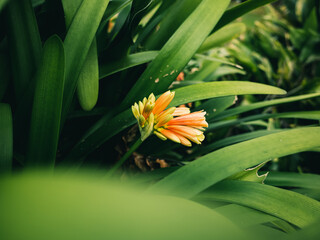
176 124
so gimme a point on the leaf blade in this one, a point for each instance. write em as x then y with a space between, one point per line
193 178
287 205
47 105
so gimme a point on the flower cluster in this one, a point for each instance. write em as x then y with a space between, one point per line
176 124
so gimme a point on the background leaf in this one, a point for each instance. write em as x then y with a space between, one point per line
92 212
24 44
47 105
239 10
222 36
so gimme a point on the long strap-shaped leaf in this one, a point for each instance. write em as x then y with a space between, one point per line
312 115
47 105
212 168
77 43
292 179
6 139
103 130
126 62
288 205
220 89
173 18
178 50
229 141
24 43
88 82
246 108
239 10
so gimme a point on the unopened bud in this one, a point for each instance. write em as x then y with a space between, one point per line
141 121
135 110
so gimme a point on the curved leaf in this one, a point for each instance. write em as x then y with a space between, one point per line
77 43
253 106
200 174
106 69
220 89
229 141
88 82
312 115
287 205
292 179
239 10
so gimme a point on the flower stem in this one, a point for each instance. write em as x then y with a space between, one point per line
125 157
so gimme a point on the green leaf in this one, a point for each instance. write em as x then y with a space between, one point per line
292 179
216 105
174 17
229 141
239 10
77 44
88 82
226 70
312 115
258 105
70 8
287 205
241 215
221 89
47 105
104 130
310 232
222 36
24 44
6 138
178 50
198 175
80 206
106 69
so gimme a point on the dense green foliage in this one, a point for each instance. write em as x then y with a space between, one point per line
70 71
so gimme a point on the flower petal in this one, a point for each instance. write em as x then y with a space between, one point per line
170 135
181 111
162 102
